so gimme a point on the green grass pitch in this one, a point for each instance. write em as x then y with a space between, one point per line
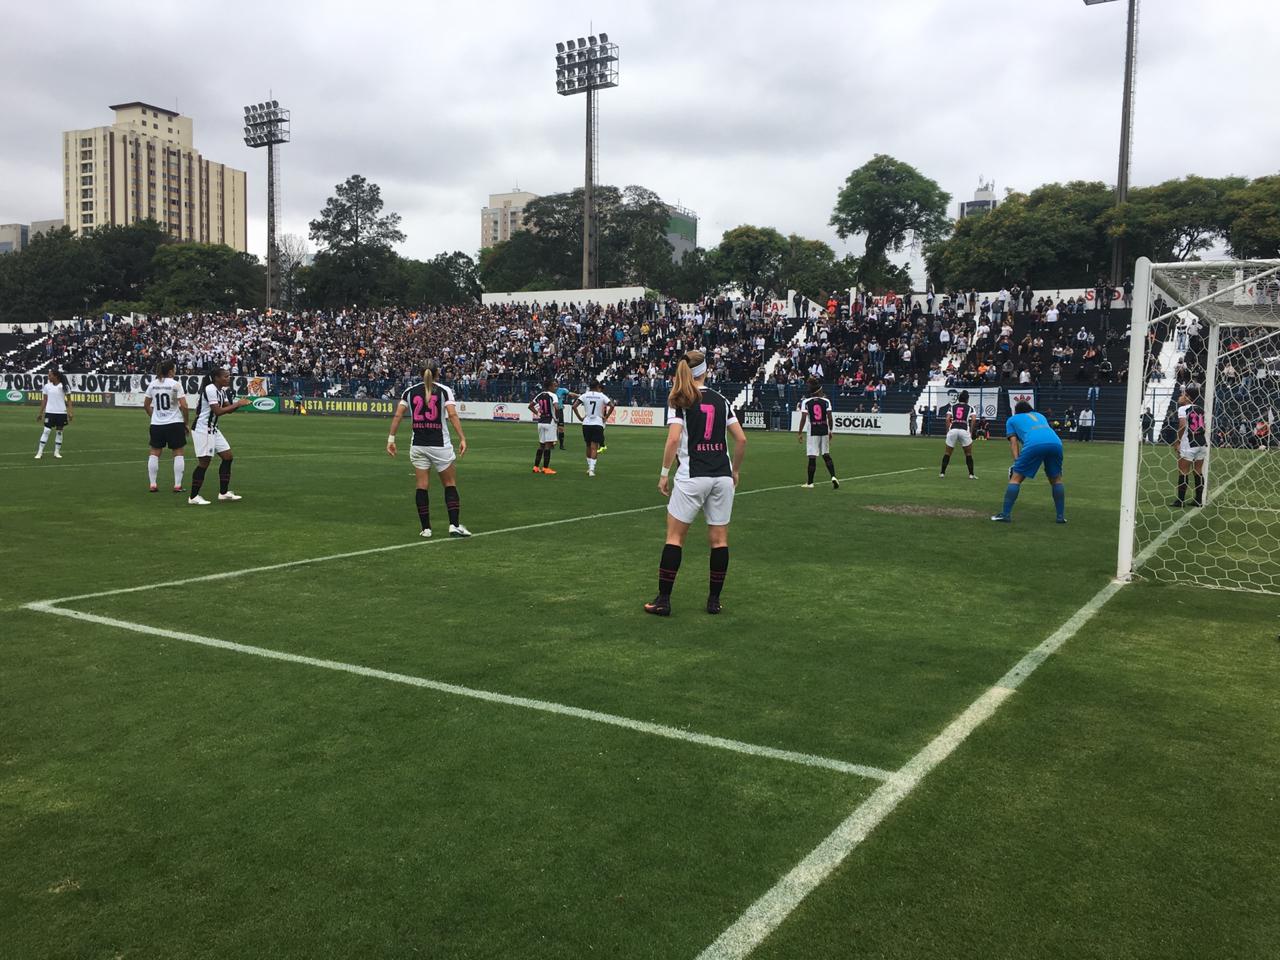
161 798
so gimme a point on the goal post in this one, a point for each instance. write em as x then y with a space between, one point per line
1214 325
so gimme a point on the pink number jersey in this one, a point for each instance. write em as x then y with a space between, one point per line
427 410
819 413
704 438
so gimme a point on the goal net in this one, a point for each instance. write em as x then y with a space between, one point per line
1203 508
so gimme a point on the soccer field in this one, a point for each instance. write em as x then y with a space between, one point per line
307 733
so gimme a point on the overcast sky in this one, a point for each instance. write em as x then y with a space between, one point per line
746 112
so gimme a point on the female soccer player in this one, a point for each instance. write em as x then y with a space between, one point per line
1192 444
699 422
960 419
214 401
429 403
55 412
543 408
166 405
817 411
593 409
1034 443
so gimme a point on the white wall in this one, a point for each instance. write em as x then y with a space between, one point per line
604 295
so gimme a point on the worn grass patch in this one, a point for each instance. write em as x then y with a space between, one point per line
925 510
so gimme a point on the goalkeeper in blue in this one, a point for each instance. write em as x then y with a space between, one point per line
1035 445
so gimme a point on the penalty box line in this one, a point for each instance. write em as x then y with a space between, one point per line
488 696
230 574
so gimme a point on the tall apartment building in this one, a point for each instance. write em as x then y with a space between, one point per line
15 237
682 231
144 167
503 217
984 200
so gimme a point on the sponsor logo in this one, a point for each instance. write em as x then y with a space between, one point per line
753 420
500 412
264 403
14 396
845 421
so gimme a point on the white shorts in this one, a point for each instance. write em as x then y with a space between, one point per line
438 459
817 446
712 496
210 444
1193 453
959 438
546 433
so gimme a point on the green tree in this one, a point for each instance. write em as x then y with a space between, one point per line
751 257
811 267
52 279
1175 220
528 261
356 239
1254 219
124 259
889 203
203 276
447 278
694 276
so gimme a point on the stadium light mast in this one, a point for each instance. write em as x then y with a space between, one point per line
267 125
588 65
1126 128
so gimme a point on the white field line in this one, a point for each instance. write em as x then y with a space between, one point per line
767 914
141 461
544 706
228 574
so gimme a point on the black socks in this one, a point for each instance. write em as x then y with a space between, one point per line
537 457
946 458
813 465
197 479
224 475
968 462
452 504
668 568
719 567
831 467
424 516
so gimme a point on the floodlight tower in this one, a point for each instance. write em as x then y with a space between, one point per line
1126 127
585 66
267 125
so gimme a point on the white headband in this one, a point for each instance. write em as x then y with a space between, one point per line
699 370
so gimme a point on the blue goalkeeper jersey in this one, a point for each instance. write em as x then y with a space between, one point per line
1032 430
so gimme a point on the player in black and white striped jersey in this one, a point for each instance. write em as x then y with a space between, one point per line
166 404
1192 444
429 403
960 418
543 407
816 411
214 401
593 409
700 422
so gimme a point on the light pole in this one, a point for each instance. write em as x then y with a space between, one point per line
585 66
267 125
1126 126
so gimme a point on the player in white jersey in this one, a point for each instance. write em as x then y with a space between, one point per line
593 409
429 403
214 401
55 411
166 404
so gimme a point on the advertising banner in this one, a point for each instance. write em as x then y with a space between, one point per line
985 400
119 382
337 406
866 424
1018 394
753 420
33 397
517 412
262 405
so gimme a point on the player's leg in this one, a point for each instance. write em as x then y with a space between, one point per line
946 458
179 447
452 502
718 510
1199 470
812 468
59 426
1184 467
223 449
546 456
683 506
203 458
968 461
1010 496
422 498
831 465
1059 494
153 466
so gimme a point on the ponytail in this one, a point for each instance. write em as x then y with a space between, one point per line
684 391
429 373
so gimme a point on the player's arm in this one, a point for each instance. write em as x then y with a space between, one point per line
739 448
226 409
669 455
451 409
182 405
804 415
44 400
401 407
1182 432
146 404
1015 446
533 405
577 408
608 410
71 409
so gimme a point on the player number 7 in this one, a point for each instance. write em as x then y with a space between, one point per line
708 412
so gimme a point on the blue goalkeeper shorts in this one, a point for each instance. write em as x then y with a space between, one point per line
1048 455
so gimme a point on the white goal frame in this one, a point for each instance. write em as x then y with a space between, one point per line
1145 292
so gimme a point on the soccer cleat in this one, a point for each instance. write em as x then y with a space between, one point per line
1062 519
941 475
713 605
806 486
601 449
57 454
835 484
973 476
179 489
537 469
153 489
591 473
659 606
230 496
1177 503
548 471
426 534
1002 518
198 501
458 530
39 455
